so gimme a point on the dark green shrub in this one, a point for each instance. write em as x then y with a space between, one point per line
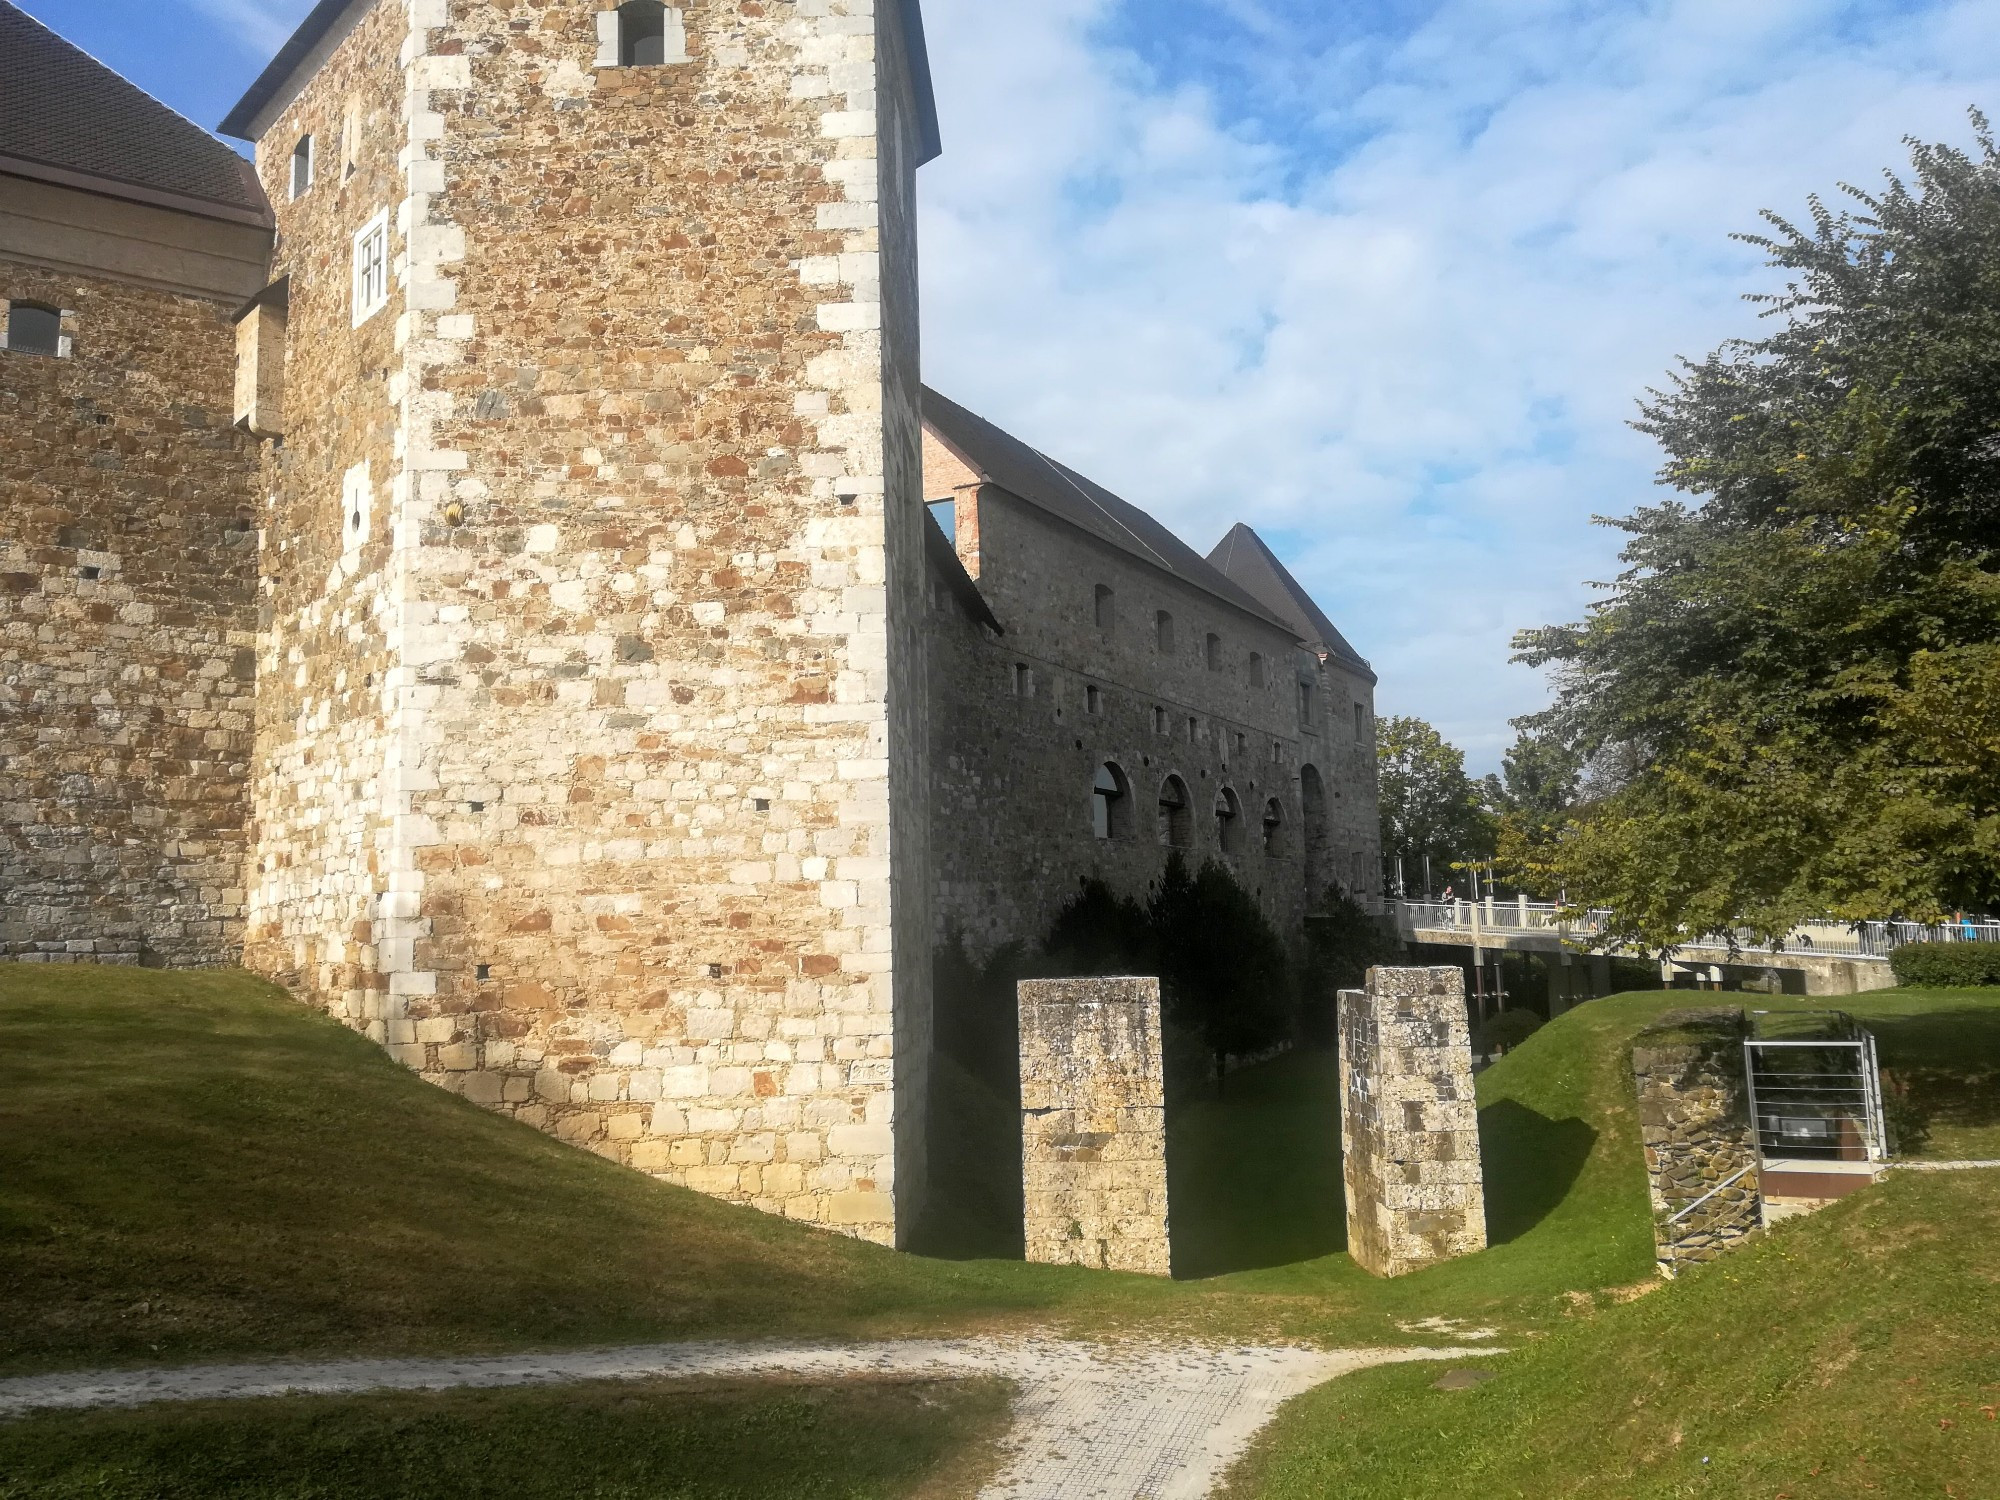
1342 943
1223 974
1946 965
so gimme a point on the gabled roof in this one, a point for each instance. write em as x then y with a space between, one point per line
1243 558
298 52
65 117
1001 459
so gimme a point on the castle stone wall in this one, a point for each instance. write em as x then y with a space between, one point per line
1093 1124
128 566
1694 1120
1022 721
645 741
1410 1122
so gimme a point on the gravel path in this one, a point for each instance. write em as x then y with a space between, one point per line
1135 1422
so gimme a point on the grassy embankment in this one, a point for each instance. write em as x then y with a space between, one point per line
192 1167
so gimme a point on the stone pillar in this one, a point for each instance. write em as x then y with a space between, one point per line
1093 1124
1410 1143
1694 1117
1600 975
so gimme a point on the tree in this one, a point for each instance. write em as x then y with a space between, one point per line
1795 680
1430 807
1223 974
1538 791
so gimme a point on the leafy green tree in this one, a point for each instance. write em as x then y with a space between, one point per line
1539 789
1430 807
1223 973
1794 683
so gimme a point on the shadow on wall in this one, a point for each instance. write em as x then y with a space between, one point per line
1530 1163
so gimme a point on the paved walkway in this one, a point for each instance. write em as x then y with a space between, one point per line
1135 1422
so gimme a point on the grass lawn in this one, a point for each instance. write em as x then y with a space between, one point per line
194 1167
1853 1353
605 1441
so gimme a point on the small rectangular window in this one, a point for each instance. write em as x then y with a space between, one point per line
1194 729
34 329
1256 669
1212 652
350 140
642 34
1159 720
1024 681
945 513
1093 701
1107 607
302 166
1361 721
1305 705
1163 632
371 268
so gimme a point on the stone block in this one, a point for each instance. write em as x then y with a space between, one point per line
1410 1142
1093 1124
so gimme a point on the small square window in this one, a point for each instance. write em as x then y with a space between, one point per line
485 971
371 268
34 329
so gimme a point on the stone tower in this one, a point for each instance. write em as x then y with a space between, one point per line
590 766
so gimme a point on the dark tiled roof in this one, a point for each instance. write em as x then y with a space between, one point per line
1000 459
62 109
271 82
1244 559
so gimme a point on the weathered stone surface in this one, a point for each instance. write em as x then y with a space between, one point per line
128 569
1093 1124
592 751
1410 1142
1694 1121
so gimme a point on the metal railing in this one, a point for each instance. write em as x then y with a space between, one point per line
1829 939
1817 1100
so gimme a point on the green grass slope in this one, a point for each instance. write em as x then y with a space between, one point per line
1855 1352
194 1167
859 1440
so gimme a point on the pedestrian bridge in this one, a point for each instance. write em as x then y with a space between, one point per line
1815 958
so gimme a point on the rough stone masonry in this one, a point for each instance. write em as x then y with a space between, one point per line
1694 1118
1410 1146
1094 1124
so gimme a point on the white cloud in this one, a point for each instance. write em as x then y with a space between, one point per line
259 27
1410 360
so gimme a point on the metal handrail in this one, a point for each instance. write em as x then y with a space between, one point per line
1728 1181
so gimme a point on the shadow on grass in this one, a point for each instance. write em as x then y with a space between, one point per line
1941 1079
1253 1177
1530 1164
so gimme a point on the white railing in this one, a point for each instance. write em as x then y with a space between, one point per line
1829 939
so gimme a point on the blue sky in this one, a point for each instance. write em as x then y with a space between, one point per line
1384 279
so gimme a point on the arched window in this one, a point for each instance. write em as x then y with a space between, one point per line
1175 821
1228 821
1256 669
1214 652
1274 828
642 34
33 329
1107 607
1163 631
1108 802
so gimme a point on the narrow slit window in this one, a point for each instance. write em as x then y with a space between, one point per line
1361 721
1163 632
1024 681
1106 607
1256 669
1213 652
642 34
1093 700
302 166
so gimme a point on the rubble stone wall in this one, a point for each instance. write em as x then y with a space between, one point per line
642 737
1022 722
128 566
1093 1124
1694 1119
1410 1136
